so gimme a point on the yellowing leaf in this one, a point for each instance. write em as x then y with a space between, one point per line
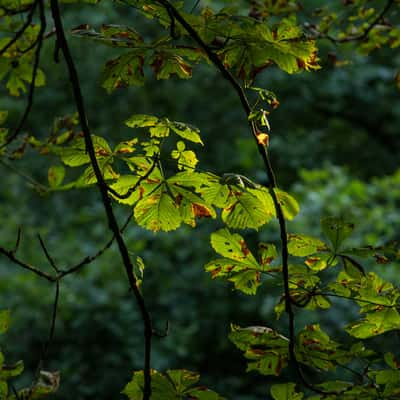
158 211
239 265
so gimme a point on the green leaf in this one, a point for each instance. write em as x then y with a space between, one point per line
239 265
75 155
124 71
55 175
11 371
375 323
142 121
186 131
4 320
174 384
3 390
302 245
122 186
266 349
158 211
285 391
336 230
191 206
290 207
186 159
3 116
318 350
252 208
267 253
165 64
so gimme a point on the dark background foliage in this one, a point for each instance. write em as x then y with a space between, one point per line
334 144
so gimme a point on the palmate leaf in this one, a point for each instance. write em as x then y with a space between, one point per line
266 349
316 349
336 230
238 265
173 384
256 46
158 211
166 204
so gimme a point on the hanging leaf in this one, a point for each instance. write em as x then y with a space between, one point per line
4 320
186 131
336 230
55 175
265 349
123 71
238 265
252 208
158 211
285 391
173 384
301 245
290 207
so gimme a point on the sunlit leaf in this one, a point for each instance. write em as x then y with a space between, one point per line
238 265
285 391
265 349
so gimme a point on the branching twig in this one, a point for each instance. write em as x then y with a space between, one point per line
35 69
362 35
11 256
23 28
62 44
87 260
136 185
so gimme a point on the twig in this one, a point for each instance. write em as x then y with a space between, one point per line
271 184
87 260
62 44
47 254
34 72
136 185
11 256
362 35
18 241
21 31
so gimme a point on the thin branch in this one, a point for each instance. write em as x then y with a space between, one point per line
365 33
11 256
23 175
62 44
21 31
87 260
35 70
47 254
213 57
18 240
136 185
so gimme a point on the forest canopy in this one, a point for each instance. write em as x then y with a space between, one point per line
200 199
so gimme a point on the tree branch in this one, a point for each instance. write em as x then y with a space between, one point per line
39 42
112 222
213 57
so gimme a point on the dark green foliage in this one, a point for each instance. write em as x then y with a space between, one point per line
168 175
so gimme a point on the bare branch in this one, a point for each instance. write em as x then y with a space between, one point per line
213 57
10 255
62 45
47 254
39 43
